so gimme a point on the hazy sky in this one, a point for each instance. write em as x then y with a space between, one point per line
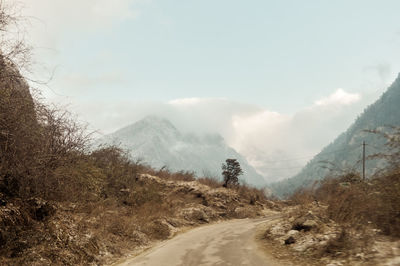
267 69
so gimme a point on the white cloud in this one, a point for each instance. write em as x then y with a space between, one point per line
53 25
277 145
339 97
188 101
111 10
59 30
77 81
80 15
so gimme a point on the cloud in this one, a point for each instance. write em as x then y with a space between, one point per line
62 33
54 25
193 101
111 10
78 81
338 98
276 144
279 145
81 15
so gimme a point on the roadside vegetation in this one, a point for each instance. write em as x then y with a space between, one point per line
345 218
63 203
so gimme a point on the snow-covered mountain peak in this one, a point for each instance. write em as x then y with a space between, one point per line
159 143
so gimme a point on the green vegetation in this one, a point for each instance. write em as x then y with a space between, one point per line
231 171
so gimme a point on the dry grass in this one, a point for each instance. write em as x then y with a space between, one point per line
251 194
166 174
354 202
211 182
60 202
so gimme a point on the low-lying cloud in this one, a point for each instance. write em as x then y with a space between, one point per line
276 144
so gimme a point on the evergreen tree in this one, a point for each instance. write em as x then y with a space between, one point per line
231 171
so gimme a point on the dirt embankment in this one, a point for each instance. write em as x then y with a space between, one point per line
305 234
39 232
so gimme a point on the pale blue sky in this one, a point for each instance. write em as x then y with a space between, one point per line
282 55
276 78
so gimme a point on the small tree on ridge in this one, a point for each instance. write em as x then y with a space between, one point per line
231 171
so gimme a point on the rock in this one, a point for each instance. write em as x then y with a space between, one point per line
335 263
310 223
174 222
40 209
360 256
322 243
3 202
243 212
277 230
290 240
304 243
292 233
159 229
195 214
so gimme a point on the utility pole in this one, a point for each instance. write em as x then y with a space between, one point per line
363 174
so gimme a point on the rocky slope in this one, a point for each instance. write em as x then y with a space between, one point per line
344 153
306 235
40 232
159 143
62 204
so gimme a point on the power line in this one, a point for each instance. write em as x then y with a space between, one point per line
311 156
286 168
299 167
372 146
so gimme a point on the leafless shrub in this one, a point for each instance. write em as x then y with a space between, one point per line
14 51
337 245
44 157
251 194
119 171
391 135
350 201
302 196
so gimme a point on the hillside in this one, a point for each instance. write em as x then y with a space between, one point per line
99 232
64 204
345 152
159 143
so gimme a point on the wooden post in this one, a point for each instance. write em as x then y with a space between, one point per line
363 174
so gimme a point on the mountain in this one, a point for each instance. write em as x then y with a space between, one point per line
345 152
159 143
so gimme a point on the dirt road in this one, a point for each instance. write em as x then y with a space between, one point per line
226 243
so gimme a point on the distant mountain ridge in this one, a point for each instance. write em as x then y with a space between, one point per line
159 143
345 152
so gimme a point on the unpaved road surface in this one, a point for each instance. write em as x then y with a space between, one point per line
226 243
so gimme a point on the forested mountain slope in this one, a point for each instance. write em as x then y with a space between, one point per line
345 153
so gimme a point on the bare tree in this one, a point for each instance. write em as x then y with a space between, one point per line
14 50
391 135
35 139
